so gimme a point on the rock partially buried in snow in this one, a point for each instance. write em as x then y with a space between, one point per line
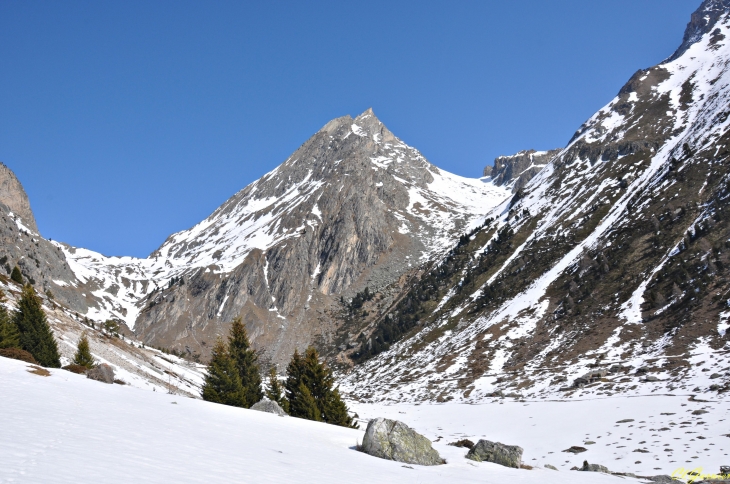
394 440
103 373
576 449
269 406
487 451
594 468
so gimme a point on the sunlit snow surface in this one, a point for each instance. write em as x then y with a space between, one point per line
66 428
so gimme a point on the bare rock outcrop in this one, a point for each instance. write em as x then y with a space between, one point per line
516 170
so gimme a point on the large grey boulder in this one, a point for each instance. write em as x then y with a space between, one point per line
268 406
487 451
103 373
394 440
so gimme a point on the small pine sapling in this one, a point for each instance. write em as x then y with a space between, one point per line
83 356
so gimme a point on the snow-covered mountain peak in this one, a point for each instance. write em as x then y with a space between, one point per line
353 207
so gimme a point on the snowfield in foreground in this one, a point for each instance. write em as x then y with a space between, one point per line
65 428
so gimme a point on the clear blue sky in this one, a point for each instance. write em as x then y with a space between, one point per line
128 121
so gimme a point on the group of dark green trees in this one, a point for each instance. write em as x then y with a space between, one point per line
27 329
308 392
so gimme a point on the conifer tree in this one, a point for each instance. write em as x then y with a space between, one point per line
311 393
275 390
16 275
35 334
294 375
245 359
83 355
222 383
303 405
9 335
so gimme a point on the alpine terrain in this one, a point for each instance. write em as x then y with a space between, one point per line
568 298
354 208
608 272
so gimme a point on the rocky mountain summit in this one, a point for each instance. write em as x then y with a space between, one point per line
612 261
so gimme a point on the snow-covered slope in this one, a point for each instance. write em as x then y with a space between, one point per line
614 258
66 428
354 207
134 363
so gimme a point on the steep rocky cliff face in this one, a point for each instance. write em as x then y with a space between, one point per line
13 196
41 262
353 208
608 272
516 170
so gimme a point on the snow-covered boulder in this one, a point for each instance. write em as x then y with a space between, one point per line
487 451
269 406
394 440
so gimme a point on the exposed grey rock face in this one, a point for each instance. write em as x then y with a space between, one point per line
41 263
516 170
487 451
103 373
268 406
394 440
13 196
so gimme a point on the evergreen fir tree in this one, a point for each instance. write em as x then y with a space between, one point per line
311 393
336 412
16 275
303 405
275 390
35 334
245 359
83 355
222 383
9 335
294 372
